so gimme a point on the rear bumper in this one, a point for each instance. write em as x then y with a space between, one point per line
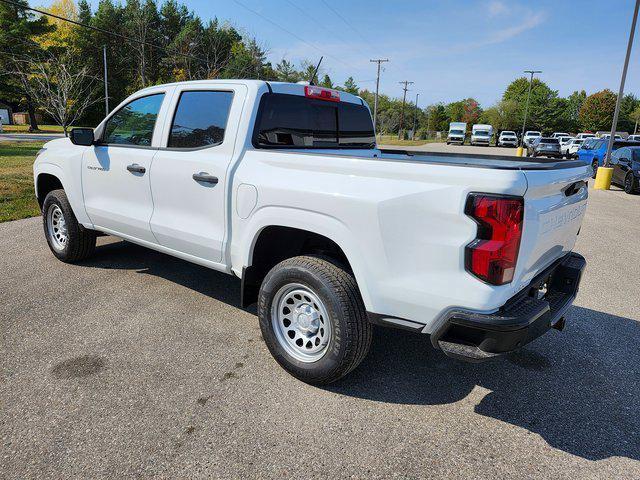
476 337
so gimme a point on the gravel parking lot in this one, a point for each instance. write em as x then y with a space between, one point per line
135 364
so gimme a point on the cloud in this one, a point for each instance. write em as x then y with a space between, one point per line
497 8
531 21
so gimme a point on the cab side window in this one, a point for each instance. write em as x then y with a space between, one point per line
133 124
200 119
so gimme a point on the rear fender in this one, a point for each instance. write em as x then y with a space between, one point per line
311 221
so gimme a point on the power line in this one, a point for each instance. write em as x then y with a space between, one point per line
287 31
324 27
102 30
347 23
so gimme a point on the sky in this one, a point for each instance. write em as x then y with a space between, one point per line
450 49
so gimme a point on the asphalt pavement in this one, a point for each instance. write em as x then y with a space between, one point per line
136 364
29 137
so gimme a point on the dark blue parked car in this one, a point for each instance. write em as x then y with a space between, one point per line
594 150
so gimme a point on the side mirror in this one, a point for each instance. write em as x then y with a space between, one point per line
82 136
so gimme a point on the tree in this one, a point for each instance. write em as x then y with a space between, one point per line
18 30
471 110
286 72
455 111
542 108
628 104
597 111
59 86
574 104
350 86
141 21
326 82
635 117
62 34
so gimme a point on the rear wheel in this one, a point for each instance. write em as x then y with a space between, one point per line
68 240
313 319
629 184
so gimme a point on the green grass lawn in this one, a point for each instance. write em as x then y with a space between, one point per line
17 197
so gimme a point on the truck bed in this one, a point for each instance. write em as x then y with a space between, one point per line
501 162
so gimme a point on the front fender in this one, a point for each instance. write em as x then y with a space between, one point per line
73 194
308 220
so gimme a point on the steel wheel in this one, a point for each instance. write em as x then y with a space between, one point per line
57 228
300 322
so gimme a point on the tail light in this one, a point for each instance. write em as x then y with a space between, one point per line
312 91
492 256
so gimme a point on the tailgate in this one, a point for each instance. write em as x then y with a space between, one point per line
555 202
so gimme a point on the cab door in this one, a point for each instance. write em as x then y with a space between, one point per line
115 173
190 171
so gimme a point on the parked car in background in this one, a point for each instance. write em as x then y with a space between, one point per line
582 136
626 168
634 138
508 138
572 147
559 135
564 140
457 132
544 147
595 151
481 134
529 136
564 144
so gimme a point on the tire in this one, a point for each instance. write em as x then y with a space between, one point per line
629 184
324 289
68 240
594 165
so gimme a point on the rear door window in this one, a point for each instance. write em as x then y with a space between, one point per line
293 121
200 119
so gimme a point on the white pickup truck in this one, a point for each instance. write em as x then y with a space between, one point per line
282 185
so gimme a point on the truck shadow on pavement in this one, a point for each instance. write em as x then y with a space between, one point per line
579 390
118 254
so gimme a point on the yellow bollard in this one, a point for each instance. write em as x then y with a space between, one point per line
603 178
519 151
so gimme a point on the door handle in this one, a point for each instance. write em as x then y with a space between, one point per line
205 177
135 168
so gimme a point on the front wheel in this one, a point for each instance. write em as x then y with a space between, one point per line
68 240
313 319
629 184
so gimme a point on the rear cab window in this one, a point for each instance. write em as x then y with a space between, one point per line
294 121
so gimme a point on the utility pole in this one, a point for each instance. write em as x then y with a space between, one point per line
406 83
375 101
106 87
622 80
415 116
526 108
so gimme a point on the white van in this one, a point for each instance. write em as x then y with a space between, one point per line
481 134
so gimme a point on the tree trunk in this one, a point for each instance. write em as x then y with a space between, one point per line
65 128
33 124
